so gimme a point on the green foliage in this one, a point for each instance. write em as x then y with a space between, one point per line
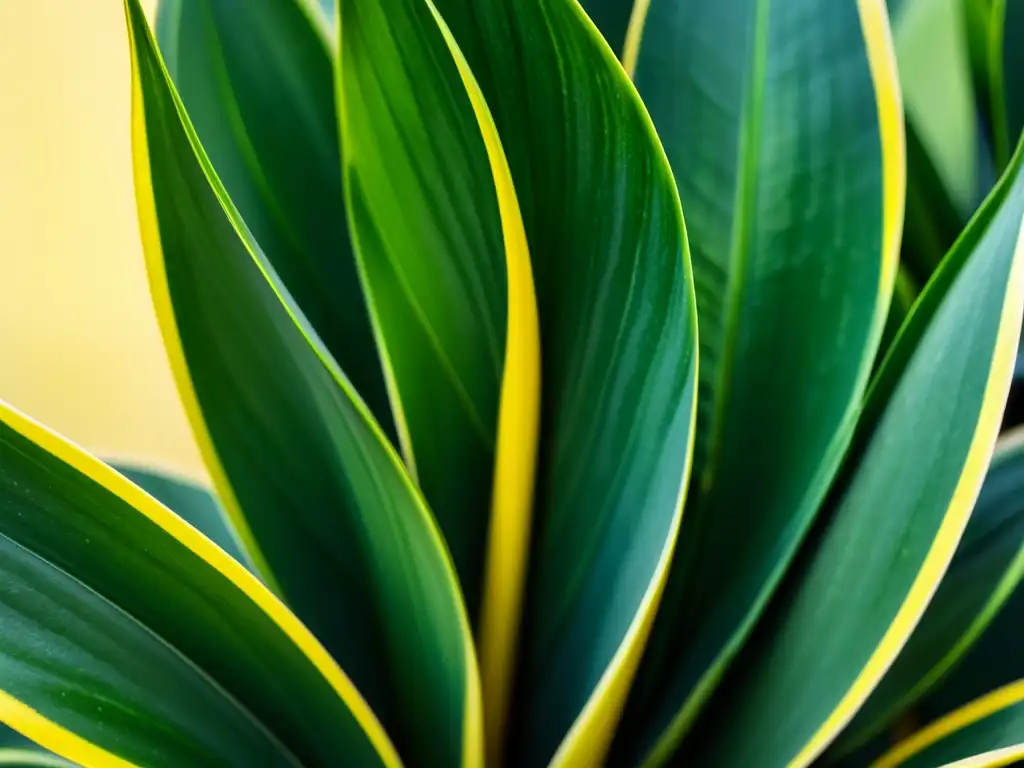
509 464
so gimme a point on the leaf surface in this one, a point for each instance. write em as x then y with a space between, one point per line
985 571
130 638
986 733
319 496
257 80
191 502
618 357
782 121
867 575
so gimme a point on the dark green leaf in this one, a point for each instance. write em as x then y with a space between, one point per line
319 496
782 123
618 359
866 577
256 78
193 503
986 733
612 19
127 633
987 567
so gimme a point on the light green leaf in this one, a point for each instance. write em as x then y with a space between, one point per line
318 494
256 79
618 358
867 576
985 571
191 502
935 75
783 125
432 253
128 637
986 733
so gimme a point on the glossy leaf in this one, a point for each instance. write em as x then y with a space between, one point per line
867 576
192 503
325 505
618 359
437 282
986 733
256 78
782 122
986 569
129 636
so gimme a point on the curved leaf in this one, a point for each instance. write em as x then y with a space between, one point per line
129 636
986 569
442 306
192 503
294 452
18 752
866 579
618 354
256 78
986 733
783 125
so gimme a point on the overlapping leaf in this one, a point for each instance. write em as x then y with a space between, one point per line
867 575
129 638
617 339
257 80
433 248
985 571
194 504
782 123
986 733
321 499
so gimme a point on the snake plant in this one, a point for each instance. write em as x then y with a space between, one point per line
510 466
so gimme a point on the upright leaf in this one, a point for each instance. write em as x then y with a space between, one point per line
987 568
130 638
618 336
312 480
437 233
782 121
867 576
256 78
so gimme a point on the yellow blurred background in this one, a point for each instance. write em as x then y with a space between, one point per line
79 345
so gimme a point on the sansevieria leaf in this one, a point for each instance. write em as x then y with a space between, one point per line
782 121
257 80
444 260
131 639
618 334
987 568
326 508
194 504
987 733
877 557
